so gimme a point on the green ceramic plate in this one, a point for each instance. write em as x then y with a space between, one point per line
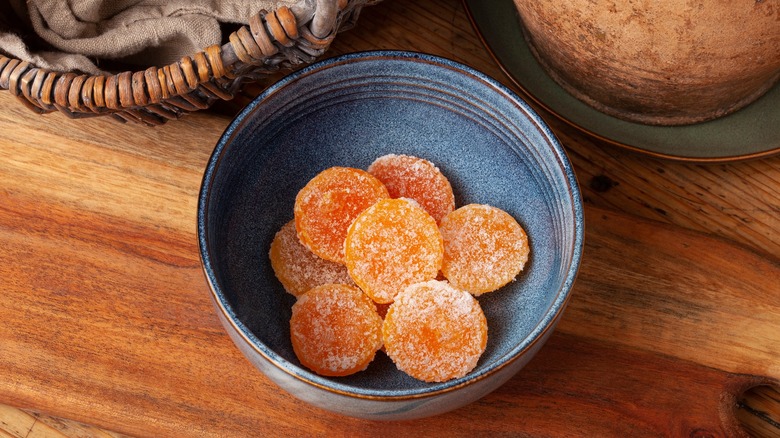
751 132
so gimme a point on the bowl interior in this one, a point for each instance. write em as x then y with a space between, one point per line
348 111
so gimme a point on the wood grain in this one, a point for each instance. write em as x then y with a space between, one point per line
144 355
17 423
106 318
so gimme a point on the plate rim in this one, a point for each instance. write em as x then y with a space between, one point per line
523 89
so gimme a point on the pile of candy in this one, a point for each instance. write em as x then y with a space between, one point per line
382 258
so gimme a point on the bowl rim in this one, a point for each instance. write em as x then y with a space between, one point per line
537 334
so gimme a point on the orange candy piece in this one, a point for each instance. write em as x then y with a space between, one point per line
411 177
391 245
434 332
383 260
484 248
299 269
328 204
335 330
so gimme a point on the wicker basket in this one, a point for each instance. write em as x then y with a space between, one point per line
272 42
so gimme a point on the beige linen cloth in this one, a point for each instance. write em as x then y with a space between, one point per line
80 33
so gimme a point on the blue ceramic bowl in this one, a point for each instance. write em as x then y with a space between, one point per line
347 111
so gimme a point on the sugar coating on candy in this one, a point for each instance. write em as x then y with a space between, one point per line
389 246
484 248
335 330
416 178
418 262
434 332
299 269
328 204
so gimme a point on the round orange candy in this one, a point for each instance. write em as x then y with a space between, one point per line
416 178
389 246
484 248
335 330
328 204
434 332
299 269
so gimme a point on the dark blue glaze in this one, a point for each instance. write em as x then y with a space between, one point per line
346 111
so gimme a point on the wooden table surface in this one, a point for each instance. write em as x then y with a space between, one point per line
106 327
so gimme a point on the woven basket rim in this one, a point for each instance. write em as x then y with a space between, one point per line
271 41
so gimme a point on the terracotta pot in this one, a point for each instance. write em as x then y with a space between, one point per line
663 62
